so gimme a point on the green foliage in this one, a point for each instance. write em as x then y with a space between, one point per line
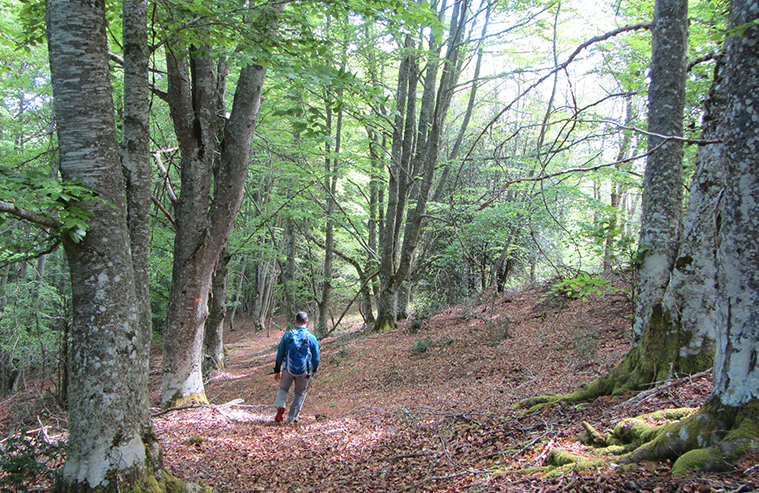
47 196
23 458
421 345
32 319
611 241
582 286
423 314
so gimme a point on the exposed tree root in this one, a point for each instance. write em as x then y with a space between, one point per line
655 359
710 439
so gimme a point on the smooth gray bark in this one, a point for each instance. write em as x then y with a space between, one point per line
135 149
214 330
663 181
208 204
690 302
107 393
736 373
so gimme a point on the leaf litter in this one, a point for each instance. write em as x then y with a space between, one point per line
428 407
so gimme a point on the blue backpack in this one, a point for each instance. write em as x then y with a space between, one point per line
299 353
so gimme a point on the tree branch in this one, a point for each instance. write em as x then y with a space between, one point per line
564 172
676 138
30 216
558 68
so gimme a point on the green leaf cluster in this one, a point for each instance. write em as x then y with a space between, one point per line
582 286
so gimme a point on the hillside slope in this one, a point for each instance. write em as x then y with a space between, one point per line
429 407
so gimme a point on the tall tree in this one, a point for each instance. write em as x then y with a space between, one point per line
415 150
210 200
725 428
650 359
663 183
111 446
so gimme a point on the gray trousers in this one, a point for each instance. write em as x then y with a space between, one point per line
301 388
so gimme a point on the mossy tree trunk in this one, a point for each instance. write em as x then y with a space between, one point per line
675 317
727 427
663 183
111 444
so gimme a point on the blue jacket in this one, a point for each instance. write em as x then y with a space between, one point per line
285 342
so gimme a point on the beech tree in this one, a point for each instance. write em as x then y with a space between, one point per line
210 198
414 157
111 445
725 428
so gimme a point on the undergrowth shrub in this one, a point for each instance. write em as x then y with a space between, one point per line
582 286
23 458
423 314
421 345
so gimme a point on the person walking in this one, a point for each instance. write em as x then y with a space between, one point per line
297 362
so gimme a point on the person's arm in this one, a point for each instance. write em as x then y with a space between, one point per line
280 355
315 356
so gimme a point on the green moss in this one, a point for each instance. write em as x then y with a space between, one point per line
632 430
703 459
172 484
558 457
529 471
670 414
533 403
613 450
384 324
586 463
135 481
194 440
191 400
148 485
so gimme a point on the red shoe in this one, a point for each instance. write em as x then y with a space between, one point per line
280 415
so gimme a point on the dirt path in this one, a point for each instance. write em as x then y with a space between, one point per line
425 409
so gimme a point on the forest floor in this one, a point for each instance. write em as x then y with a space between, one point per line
430 407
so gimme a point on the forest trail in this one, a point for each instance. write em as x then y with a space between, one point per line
429 407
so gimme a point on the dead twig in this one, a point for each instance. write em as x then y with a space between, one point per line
648 394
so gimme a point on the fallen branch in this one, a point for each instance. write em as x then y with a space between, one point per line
412 456
180 408
645 395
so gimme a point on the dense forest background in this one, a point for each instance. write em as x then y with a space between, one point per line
538 174
187 163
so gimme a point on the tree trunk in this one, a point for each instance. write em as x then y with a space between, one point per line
725 429
614 196
214 330
203 224
330 186
288 279
387 296
656 343
689 305
424 145
663 181
110 444
135 151
191 93
238 293
736 374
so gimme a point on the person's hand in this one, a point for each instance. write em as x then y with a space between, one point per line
276 377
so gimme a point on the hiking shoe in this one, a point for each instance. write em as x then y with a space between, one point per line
280 415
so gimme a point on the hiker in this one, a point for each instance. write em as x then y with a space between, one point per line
298 357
